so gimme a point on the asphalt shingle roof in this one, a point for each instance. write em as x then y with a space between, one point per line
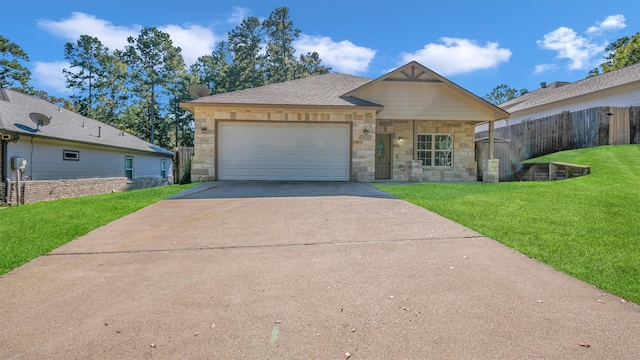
15 108
562 91
319 90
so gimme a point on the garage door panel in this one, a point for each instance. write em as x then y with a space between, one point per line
279 151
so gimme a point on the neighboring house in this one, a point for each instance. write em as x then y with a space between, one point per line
70 155
408 125
620 88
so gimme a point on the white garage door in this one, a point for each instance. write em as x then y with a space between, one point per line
283 151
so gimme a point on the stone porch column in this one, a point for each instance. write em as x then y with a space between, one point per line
490 170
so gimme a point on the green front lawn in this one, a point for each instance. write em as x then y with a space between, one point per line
587 227
29 231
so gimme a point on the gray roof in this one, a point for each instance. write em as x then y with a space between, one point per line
559 91
319 90
15 108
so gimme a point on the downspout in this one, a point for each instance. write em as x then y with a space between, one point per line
3 159
8 191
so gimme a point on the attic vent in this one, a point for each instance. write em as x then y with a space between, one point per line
543 84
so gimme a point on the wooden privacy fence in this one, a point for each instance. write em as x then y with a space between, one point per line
596 126
182 163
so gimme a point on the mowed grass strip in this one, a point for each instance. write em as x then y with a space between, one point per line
587 227
29 231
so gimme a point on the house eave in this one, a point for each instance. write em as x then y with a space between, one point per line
158 153
190 106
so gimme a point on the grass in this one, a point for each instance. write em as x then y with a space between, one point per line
587 227
29 231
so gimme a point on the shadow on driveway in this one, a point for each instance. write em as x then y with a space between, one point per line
269 189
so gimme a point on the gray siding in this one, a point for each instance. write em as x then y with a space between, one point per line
45 162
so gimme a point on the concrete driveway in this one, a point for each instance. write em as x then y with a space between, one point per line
294 271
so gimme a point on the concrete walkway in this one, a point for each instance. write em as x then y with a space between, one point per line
295 271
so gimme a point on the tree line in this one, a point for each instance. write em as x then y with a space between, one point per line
138 88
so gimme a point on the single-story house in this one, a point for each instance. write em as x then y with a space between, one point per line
57 153
410 124
618 88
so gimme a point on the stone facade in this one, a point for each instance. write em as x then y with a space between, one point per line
203 166
45 190
464 166
490 170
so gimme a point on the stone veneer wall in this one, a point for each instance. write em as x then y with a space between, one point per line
362 147
464 166
44 190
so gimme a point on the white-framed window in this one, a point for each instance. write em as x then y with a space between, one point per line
435 149
163 169
71 155
128 167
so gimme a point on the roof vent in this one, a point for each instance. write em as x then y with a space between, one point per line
543 84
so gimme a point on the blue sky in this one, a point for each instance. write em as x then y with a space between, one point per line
476 44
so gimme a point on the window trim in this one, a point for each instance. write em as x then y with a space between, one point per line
126 169
163 169
433 150
72 158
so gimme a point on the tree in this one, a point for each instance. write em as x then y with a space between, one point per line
621 53
86 58
214 70
111 100
154 63
310 65
13 74
245 42
503 93
280 34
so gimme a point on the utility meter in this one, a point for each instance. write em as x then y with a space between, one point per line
18 163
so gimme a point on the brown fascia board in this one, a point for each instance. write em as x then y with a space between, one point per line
190 106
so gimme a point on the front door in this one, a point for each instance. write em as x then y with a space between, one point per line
383 156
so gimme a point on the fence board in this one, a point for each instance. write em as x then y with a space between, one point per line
634 125
593 127
619 125
603 126
182 156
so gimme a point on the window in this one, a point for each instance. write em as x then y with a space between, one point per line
72 155
128 167
163 169
435 149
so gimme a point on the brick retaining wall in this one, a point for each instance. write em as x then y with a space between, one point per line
44 190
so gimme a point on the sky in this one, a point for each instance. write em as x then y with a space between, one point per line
476 44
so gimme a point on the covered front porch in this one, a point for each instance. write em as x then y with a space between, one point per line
427 151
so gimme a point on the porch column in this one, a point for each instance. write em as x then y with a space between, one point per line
491 166
491 139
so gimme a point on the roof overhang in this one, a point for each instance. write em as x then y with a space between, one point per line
190 106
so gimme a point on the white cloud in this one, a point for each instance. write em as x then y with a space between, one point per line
579 49
194 40
49 75
544 67
612 22
343 56
112 36
457 56
238 14
569 45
